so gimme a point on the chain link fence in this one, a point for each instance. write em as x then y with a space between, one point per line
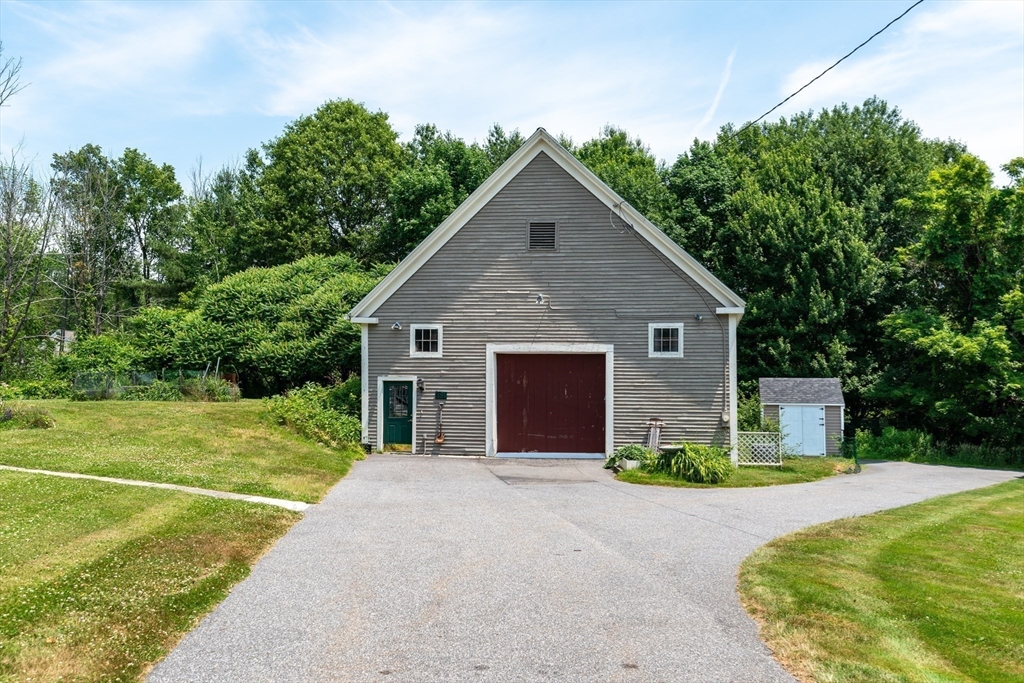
166 385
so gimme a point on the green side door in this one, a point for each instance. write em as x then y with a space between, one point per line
398 418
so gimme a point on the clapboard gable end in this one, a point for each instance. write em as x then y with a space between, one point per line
539 143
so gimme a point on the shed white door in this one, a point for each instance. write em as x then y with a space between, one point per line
803 429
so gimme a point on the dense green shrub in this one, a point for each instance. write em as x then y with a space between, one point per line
347 397
749 418
35 389
104 353
276 327
692 462
916 446
308 411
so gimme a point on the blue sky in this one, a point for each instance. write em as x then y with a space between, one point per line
184 81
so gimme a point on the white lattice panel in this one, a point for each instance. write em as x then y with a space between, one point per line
759 448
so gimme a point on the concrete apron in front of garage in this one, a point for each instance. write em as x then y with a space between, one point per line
443 569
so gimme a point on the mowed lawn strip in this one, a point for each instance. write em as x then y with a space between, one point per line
221 446
98 580
928 592
792 471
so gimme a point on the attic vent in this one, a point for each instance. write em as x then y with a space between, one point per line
542 236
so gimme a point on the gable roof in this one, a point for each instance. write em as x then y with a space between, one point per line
816 391
542 142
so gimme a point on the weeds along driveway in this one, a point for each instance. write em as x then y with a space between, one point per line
426 569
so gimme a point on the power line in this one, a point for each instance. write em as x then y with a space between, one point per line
873 36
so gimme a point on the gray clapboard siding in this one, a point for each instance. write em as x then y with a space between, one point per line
833 430
604 286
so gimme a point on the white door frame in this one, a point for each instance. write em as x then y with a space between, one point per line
493 350
824 422
380 406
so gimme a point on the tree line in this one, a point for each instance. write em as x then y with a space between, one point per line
865 251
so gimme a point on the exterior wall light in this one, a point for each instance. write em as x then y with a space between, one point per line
396 326
698 316
419 384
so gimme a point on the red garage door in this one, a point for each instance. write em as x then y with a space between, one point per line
550 403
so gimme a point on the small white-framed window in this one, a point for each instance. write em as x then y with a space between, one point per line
426 341
665 340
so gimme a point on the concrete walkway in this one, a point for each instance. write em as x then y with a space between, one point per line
421 569
295 505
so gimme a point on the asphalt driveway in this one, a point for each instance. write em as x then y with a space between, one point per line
442 569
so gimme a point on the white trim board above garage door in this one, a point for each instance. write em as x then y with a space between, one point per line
492 395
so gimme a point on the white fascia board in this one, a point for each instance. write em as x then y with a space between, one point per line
364 321
730 310
451 225
676 254
541 141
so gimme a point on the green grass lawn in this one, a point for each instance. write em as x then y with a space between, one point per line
223 446
97 580
929 592
793 471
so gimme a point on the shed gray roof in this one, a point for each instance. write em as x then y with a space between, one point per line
815 391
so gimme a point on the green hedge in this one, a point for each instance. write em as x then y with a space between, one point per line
913 445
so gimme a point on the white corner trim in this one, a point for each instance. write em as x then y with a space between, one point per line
491 400
380 406
734 453
541 141
651 353
364 378
413 353
364 321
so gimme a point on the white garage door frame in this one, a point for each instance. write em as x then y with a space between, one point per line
824 420
491 420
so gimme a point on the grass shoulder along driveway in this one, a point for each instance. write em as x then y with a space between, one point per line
792 471
929 592
222 446
97 580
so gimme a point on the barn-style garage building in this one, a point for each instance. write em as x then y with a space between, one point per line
546 317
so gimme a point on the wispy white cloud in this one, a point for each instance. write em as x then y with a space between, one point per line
957 70
215 78
710 113
106 47
461 63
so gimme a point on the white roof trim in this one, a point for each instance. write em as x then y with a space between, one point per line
541 141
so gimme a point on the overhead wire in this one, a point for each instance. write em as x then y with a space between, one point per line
837 63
